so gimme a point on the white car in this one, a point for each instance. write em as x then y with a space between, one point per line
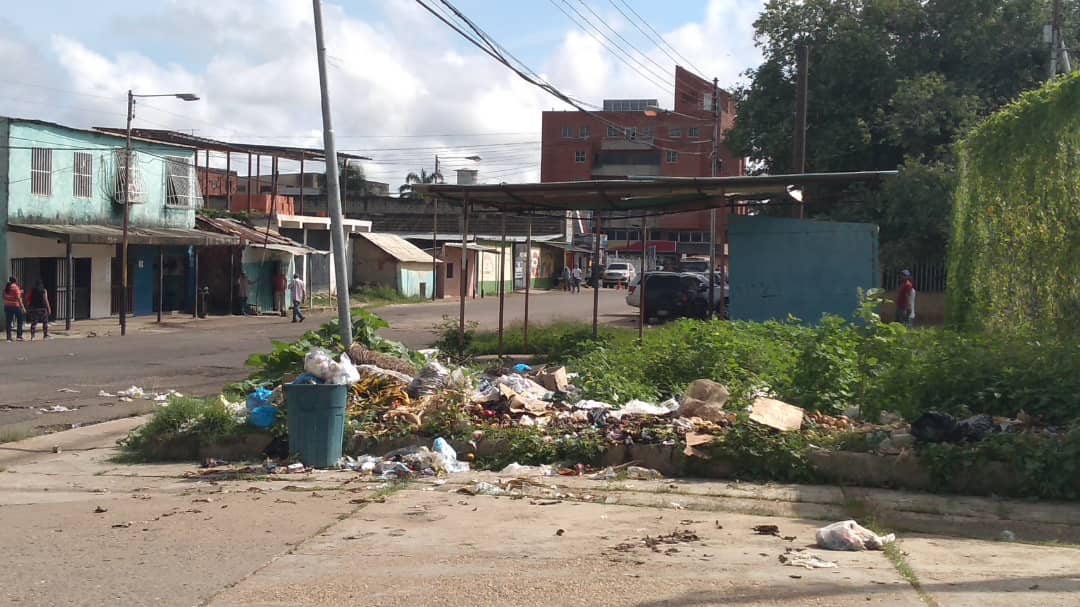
618 272
633 293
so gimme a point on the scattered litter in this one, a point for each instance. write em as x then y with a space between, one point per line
69 390
57 449
132 393
560 532
56 409
449 457
104 394
124 525
848 535
202 500
1007 536
806 561
767 530
517 469
638 473
432 378
677 506
483 488
776 414
100 510
521 368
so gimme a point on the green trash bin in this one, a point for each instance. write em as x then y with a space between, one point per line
316 422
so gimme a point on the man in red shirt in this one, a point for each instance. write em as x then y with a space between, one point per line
905 300
279 293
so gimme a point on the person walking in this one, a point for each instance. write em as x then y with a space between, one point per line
242 284
14 309
566 278
578 275
905 300
298 293
280 285
39 310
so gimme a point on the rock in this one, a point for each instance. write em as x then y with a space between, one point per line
705 399
888 447
709 391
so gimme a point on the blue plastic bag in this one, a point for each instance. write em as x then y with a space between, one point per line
522 368
307 378
263 416
259 398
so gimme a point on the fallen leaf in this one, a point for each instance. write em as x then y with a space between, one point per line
560 532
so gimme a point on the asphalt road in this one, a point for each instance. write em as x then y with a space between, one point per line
200 357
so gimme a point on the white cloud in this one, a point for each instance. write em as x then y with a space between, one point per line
402 73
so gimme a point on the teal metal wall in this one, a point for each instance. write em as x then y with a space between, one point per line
410 276
803 268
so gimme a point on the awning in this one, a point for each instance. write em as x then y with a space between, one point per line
257 237
109 235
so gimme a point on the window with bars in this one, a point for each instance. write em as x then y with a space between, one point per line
579 157
41 172
83 186
180 187
672 157
134 185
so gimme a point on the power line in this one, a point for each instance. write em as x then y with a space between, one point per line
620 36
548 87
660 41
605 42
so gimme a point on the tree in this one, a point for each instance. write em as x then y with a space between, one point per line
406 189
353 180
893 83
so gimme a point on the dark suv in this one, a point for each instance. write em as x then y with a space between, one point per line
671 295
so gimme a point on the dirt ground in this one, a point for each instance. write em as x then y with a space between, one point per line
83 529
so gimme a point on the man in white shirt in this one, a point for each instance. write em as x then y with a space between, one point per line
578 275
297 293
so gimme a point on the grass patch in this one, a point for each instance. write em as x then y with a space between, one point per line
376 295
185 419
899 561
15 434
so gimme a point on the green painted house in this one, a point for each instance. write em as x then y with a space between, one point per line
61 212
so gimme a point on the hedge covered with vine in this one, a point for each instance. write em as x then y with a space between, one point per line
1014 259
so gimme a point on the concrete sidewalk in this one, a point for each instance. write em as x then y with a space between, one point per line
84 529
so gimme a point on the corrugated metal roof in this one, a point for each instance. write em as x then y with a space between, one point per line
251 235
397 247
97 234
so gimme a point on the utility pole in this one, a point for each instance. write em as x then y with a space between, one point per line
801 86
1055 28
127 219
333 201
715 172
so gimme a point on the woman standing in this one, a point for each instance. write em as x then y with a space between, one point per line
39 310
14 310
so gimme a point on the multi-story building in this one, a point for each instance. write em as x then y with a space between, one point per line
62 197
635 138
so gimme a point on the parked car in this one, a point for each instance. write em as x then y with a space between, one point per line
618 272
633 293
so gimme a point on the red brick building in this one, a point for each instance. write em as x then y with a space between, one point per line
632 138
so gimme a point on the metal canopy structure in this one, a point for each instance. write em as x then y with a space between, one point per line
108 235
651 196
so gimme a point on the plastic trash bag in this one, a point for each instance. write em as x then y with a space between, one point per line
259 398
848 535
307 378
516 469
639 473
432 378
263 416
521 368
639 407
345 373
525 387
319 363
375 371
449 457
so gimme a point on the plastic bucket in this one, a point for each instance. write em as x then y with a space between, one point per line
316 422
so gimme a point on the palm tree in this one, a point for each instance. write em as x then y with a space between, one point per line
406 189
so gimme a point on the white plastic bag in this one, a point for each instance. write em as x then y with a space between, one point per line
319 363
848 535
345 372
432 378
449 457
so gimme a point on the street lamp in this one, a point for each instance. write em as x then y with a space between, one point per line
127 201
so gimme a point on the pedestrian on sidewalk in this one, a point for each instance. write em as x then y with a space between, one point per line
298 293
280 285
578 275
14 309
39 310
905 300
566 278
242 284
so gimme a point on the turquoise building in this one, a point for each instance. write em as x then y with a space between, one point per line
61 212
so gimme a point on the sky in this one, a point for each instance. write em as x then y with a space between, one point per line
404 86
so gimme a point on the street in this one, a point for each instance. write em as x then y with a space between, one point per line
87 530
200 357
